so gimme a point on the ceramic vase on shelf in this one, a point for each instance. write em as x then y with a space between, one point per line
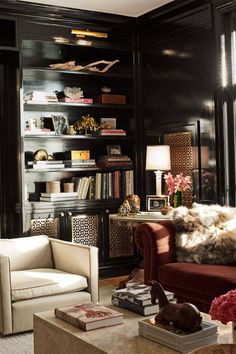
177 199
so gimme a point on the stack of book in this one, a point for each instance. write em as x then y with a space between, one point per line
114 160
37 131
80 163
45 164
58 197
137 299
89 316
175 338
40 97
118 132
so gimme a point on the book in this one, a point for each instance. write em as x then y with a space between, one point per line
132 306
46 199
105 163
177 339
114 158
45 162
89 316
76 100
47 166
59 195
55 197
80 163
112 132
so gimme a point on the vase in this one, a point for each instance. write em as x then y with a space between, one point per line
177 199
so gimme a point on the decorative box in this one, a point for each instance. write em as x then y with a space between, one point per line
78 155
107 98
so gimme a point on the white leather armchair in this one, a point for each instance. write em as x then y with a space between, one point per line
38 273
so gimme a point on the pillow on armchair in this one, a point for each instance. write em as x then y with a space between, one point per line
205 234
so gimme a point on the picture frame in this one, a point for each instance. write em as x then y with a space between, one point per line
113 150
111 122
156 202
60 124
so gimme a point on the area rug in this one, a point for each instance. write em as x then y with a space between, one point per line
24 344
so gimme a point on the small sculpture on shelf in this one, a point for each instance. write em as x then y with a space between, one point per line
185 316
105 65
131 204
86 125
134 203
124 209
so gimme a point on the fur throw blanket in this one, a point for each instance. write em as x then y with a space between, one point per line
205 234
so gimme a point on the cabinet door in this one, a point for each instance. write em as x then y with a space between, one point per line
84 228
45 226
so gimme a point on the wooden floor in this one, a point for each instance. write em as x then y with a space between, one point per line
112 281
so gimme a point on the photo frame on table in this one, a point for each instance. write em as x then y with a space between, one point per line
113 150
60 124
156 202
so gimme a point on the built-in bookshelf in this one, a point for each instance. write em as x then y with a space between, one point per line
101 186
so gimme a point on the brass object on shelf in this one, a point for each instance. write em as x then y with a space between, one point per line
40 155
88 33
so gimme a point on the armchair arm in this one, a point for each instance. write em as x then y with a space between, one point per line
5 296
156 242
77 259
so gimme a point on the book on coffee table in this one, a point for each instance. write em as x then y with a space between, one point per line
89 316
179 340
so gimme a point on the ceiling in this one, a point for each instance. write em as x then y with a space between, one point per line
133 8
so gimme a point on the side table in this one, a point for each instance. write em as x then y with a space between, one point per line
121 231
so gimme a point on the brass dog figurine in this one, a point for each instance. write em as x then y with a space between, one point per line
182 316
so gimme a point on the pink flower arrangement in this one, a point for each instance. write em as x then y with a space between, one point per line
223 308
178 183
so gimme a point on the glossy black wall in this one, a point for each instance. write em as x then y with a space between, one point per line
177 73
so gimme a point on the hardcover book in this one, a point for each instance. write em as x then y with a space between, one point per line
177 339
89 316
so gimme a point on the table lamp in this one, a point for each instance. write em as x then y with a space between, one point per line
158 160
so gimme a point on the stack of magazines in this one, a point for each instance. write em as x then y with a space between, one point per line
175 338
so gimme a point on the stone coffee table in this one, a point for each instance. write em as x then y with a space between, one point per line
55 336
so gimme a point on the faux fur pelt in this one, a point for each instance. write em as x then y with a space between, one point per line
205 234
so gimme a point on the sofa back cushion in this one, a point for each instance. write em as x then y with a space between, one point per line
27 252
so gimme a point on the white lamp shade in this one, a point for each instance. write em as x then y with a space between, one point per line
158 158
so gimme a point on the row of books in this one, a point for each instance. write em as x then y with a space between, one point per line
176 339
137 299
116 184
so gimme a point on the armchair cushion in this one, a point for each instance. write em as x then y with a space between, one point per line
33 283
27 252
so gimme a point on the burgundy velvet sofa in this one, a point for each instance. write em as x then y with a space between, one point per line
196 283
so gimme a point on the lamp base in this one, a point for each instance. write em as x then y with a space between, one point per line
158 175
